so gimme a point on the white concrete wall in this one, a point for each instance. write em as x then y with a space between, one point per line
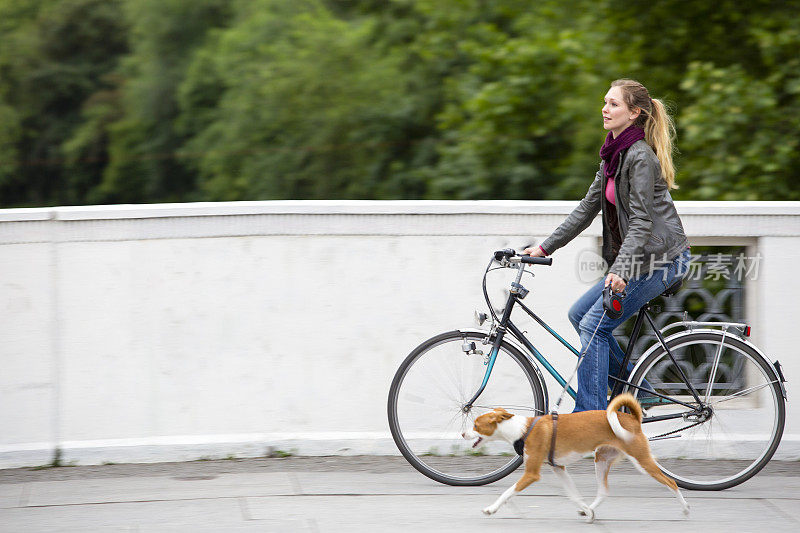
167 332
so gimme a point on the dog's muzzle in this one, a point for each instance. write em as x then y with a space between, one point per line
469 435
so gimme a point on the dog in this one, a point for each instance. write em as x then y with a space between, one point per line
610 435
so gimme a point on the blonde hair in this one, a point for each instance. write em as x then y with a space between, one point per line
654 119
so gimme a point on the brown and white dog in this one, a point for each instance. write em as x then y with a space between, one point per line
609 434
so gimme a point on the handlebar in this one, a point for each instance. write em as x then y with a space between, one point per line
512 256
506 258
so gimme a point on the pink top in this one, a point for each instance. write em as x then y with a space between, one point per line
610 191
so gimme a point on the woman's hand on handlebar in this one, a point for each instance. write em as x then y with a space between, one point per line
534 252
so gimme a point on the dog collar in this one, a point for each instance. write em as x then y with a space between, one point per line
519 444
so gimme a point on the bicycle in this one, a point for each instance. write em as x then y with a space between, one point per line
708 393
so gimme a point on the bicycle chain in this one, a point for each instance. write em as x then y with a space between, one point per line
677 430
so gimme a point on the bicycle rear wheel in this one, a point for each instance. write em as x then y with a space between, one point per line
427 399
737 426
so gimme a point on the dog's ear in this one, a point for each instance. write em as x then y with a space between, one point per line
502 414
499 414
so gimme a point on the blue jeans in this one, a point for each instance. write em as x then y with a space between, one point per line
604 355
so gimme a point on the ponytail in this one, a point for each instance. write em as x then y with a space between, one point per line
659 132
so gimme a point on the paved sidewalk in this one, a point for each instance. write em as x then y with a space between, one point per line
350 494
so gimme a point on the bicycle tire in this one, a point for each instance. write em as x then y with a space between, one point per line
412 405
755 438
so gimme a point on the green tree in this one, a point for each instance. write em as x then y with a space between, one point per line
289 102
140 118
521 115
55 54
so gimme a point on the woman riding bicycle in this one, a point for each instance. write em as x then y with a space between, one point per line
643 238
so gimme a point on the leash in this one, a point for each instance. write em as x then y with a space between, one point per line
612 306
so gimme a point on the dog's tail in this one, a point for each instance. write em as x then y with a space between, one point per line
623 400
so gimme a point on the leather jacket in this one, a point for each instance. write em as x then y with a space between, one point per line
650 229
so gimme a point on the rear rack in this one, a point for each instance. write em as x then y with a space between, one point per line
737 328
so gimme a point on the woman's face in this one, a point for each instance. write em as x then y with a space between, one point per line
616 114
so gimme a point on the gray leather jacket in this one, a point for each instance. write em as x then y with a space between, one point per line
651 231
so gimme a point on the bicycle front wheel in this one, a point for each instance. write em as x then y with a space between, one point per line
427 401
734 430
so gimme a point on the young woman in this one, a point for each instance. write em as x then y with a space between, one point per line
643 238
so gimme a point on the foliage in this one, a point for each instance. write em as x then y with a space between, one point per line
310 114
172 100
143 139
742 127
55 54
515 119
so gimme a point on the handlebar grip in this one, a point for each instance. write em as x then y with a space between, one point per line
536 260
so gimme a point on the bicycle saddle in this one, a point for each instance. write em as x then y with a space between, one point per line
672 289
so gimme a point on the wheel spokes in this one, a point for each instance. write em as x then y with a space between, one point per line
745 392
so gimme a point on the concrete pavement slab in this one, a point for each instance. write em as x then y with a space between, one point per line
130 489
391 483
619 526
253 526
620 485
641 485
10 495
183 514
789 507
763 487
411 513
454 513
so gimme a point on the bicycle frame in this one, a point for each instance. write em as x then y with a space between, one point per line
505 325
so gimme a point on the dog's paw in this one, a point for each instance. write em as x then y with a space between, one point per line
489 511
587 514
686 510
